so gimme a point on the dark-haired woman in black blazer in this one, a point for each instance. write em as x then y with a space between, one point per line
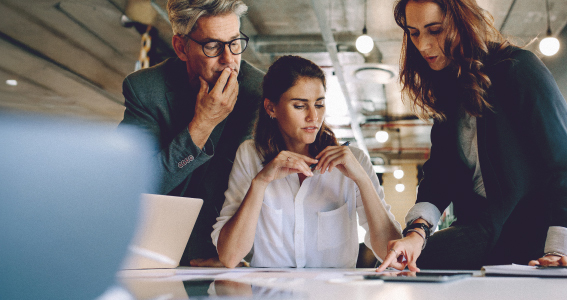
499 144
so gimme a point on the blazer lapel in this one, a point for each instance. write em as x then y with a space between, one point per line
180 96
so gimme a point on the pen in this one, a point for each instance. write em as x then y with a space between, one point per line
344 144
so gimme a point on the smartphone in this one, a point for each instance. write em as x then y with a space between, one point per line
420 276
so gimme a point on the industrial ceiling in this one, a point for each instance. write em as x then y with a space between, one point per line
70 57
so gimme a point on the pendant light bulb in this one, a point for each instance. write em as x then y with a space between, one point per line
382 136
364 43
549 45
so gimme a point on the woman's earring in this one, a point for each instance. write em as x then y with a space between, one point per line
271 117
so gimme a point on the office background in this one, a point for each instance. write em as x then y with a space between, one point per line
68 58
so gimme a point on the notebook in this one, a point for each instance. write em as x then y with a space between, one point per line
163 230
523 270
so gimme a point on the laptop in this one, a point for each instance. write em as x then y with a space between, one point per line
163 230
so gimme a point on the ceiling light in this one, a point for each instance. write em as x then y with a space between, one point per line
12 82
398 174
549 45
364 43
382 136
400 187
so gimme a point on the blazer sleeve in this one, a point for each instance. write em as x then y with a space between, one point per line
178 159
542 115
435 190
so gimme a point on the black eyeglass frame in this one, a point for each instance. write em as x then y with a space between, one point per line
246 38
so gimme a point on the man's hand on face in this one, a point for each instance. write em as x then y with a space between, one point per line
213 106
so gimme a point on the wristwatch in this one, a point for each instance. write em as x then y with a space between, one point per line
423 226
413 227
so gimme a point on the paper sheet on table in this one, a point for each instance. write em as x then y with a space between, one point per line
210 271
522 270
322 274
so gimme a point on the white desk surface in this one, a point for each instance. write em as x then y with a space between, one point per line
327 284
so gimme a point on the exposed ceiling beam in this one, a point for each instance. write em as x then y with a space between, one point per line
46 85
319 9
507 15
303 43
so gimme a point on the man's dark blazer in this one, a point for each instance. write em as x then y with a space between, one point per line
522 148
161 101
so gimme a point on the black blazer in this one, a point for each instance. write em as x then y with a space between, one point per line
161 101
522 148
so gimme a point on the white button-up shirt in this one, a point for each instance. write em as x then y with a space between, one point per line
308 225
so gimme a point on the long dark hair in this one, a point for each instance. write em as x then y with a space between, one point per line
281 76
474 27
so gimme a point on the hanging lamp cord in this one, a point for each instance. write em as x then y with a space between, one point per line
364 30
548 21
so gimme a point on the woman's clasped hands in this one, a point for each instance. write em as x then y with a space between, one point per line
287 162
284 164
340 157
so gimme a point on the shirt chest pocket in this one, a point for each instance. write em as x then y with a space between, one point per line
269 226
333 228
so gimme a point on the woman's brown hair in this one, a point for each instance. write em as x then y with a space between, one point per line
281 76
477 37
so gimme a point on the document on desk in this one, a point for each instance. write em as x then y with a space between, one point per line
314 273
526 271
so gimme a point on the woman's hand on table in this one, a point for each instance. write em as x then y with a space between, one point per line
284 164
403 252
550 260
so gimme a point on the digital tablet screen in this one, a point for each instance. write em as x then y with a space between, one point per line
419 276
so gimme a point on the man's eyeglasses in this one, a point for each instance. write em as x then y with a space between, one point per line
216 48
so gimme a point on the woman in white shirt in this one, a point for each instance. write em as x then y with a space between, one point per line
280 209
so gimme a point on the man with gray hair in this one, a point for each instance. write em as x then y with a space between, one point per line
199 106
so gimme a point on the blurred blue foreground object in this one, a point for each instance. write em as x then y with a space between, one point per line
69 199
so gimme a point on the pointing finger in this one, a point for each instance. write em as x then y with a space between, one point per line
391 257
